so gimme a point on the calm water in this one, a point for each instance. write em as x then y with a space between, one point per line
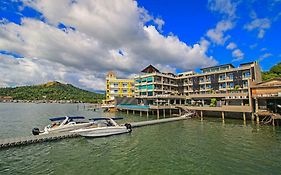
183 147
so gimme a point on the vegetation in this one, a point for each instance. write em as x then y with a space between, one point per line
52 91
213 102
274 72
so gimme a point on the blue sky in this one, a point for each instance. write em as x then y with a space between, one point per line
79 41
190 20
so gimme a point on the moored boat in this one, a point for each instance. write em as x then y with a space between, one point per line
104 127
63 124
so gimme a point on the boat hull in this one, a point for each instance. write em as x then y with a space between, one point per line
102 132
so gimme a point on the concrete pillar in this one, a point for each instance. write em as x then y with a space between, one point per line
164 113
222 115
127 112
242 102
226 102
140 113
147 113
134 112
253 116
170 112
202 102
244 116
201 114
179 112
157 113
257 105
258 119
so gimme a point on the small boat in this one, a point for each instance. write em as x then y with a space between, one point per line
104 127
62 124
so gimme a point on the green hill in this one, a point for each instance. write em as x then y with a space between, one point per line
274 72
51 91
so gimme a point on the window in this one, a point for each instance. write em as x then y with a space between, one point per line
125 84
115 84
209 86
222 85
246 74
125 91
222 77
245 84
230 76
231 85
149 79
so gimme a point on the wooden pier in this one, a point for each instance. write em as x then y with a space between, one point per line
11 142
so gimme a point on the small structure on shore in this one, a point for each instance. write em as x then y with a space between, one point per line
267 99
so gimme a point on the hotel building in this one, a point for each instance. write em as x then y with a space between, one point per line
228 85
118 87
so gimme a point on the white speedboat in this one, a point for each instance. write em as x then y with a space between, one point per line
104 127
62 124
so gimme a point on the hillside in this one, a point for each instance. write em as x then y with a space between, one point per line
51 91
274 72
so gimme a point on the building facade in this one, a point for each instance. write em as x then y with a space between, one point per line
223 86
118 87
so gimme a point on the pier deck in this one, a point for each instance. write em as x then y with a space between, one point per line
11 142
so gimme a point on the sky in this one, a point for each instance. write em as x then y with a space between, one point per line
77 42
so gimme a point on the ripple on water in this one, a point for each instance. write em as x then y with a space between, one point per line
183 147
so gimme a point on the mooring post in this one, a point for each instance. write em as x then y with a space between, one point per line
252 116
157 113
222 115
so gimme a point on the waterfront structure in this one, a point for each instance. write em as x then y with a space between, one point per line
222 88
267 95
6 99
116 87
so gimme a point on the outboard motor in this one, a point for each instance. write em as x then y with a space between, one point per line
128 126
35 131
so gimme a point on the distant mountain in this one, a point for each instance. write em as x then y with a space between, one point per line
51 91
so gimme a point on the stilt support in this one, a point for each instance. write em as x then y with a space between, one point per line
222 115
157 113
244 116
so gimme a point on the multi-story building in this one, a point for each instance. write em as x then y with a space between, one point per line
118 87
228 85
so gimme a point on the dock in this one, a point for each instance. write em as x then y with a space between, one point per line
20 141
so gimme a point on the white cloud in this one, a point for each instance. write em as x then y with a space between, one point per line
224 7
266 55
231 46
84 54
217 35
227 8
259 24
238 55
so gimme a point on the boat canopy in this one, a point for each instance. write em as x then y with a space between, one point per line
69 117
104 118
